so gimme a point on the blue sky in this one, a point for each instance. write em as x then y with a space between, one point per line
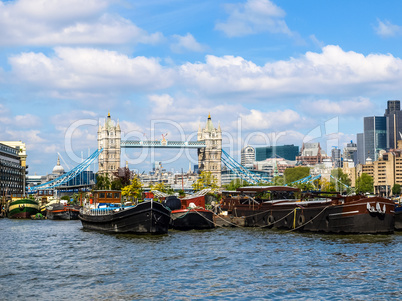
271 72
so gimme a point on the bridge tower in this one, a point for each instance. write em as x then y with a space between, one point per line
209 158
109 138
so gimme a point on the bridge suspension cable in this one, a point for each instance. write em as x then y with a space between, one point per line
240 170
69 175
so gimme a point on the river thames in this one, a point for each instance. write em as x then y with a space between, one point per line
58 260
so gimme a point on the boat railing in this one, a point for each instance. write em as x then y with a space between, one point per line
98 211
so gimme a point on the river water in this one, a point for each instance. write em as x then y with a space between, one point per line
58 260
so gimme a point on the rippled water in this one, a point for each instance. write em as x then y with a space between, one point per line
58 260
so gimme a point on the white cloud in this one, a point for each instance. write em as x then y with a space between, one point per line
186 43
316 42
331 71
27 121
253 17
268 121
88 69
359 106
67 22
30 137
386 29
161 103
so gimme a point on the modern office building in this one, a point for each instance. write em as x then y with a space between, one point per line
336 157
360 148
288 152
393 115
375 136
12 173
350 152
247 156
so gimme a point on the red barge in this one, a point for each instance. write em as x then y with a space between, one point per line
190 213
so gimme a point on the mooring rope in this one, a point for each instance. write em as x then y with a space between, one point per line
207 218
309 220
282 218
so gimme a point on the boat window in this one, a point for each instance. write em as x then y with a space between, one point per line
109 195
102 195
117 195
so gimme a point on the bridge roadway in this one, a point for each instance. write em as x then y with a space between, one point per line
162 144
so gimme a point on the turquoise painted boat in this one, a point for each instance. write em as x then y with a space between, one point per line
23 208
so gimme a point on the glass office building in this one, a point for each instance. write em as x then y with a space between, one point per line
375 136
288 152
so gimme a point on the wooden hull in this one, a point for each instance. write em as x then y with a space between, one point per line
22 208
61 212
354 215
145 218
398 218
189 219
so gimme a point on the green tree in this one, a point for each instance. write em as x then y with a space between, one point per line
396 189
296 173
102 182
326 185
305 186
205 180
278 181
162 187
121 178
134 189
364 184
340 180
236 183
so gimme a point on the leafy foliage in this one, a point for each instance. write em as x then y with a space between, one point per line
205 180
102 182
236 183
134 189
396 189
296 173
162 187
340 180
326 185
364 184
278 181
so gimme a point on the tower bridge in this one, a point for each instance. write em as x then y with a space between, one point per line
208 145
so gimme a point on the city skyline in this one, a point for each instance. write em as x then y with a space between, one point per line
280 68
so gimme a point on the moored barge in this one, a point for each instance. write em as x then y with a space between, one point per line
144 218
190 213
60 211
22 208
287 208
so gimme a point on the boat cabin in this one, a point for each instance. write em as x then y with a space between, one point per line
256 195
107 196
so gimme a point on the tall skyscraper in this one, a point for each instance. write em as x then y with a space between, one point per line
336 157
360 149
393 115
375 136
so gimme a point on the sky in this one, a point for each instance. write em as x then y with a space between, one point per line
269 73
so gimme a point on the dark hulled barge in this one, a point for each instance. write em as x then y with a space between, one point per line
59 211
144 218
287 208
190 213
